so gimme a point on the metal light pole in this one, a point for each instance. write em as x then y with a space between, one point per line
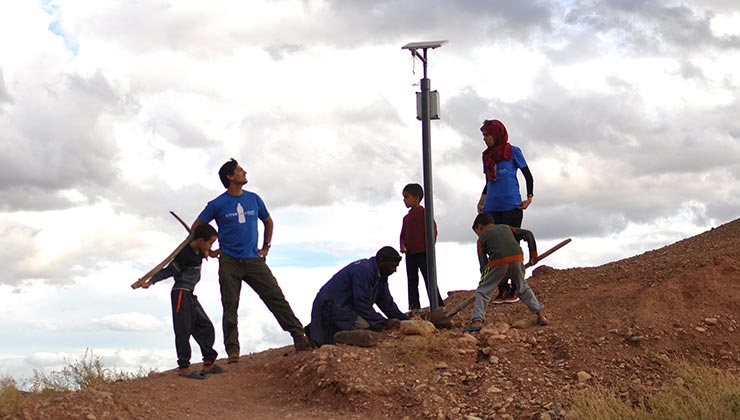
426 148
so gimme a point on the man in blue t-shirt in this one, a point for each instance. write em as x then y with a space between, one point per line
236 212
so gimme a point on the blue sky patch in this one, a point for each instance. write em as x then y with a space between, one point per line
301 256
56 27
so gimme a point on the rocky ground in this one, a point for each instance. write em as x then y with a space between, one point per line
620 325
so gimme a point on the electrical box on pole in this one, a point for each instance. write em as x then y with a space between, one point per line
433 105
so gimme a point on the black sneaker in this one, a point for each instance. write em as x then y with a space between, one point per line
191 374
472 328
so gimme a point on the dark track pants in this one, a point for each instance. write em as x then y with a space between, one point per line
415 263
189 319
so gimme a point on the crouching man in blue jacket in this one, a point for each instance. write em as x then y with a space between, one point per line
346 301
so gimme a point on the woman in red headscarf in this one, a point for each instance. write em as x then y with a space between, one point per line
501 197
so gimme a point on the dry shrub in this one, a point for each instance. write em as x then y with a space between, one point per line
700 393
78 374
87 372
424 348
11 399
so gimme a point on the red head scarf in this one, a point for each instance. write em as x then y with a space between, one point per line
501 149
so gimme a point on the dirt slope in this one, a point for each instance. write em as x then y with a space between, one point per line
620 325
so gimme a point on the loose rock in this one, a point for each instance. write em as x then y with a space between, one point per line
583 376
417 327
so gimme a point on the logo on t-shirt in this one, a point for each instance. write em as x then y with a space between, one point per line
240 213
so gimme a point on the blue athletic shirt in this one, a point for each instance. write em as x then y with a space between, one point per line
237 227
503 193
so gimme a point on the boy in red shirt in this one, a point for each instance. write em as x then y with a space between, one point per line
413 244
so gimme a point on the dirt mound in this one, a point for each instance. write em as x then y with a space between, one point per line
620 325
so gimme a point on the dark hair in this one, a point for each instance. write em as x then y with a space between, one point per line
204 231
387 253
227 169
415 190
482 219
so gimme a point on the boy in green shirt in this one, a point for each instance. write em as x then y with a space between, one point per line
501 258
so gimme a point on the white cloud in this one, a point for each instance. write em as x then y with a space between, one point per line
726 24
46 360
132 321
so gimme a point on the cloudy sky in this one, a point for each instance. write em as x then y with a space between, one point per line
113 113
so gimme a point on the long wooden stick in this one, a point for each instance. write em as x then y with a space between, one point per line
464 304
182 222
549 251
163 264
